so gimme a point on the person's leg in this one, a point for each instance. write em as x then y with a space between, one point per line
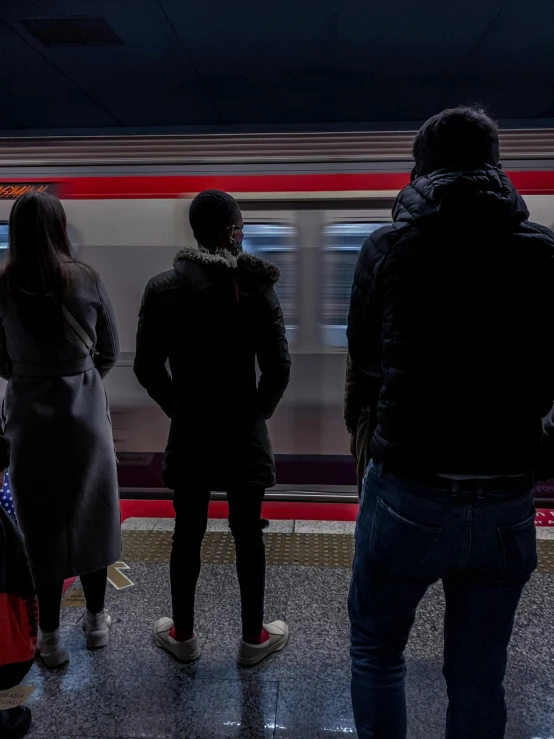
478 626
97 622
49 645
245 508
49 603
480 609
191 520
382 609
94 588
402 544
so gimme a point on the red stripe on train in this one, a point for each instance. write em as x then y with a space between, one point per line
140 186
175 186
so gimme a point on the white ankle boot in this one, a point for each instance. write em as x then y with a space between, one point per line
51 650
97 628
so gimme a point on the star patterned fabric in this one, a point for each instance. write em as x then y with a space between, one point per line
6 497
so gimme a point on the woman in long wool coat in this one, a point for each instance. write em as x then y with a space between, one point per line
57 341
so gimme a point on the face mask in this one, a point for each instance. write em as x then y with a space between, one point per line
236 236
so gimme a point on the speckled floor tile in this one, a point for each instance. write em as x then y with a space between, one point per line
314 709
314 609
203 709
75 701
133 689
317 595
37 732
275 527
164 524
545 532
139 524
218 594
134 611
324 527
218 524
214 524
280 527
223 627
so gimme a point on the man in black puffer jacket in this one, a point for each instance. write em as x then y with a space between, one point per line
451 324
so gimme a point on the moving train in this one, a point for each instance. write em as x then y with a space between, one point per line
309 201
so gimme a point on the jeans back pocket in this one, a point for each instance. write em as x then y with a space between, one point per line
519 547
400 544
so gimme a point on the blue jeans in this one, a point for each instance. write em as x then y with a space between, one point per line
482 545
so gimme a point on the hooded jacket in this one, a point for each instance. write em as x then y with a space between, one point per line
212 317
451 323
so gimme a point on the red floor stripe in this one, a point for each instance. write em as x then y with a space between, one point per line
146 509
68 583
274 510
545 517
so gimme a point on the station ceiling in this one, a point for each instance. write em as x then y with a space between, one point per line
132 66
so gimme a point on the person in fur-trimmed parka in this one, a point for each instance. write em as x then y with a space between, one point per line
212 317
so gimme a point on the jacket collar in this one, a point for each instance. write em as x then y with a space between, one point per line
258 269
465 196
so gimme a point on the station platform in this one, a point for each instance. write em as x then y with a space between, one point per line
133 689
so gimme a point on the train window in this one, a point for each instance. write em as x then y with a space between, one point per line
3 238
277 244
341 245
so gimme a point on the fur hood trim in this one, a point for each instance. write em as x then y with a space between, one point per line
267 271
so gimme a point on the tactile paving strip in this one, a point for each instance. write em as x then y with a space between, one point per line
305 550
546 556
323 550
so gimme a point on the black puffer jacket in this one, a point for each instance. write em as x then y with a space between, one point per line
212 316
452 321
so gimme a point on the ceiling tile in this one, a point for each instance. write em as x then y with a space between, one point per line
518 46
252 37
146 81
37 94
427 38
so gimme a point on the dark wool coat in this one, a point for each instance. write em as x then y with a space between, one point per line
63 472
212 317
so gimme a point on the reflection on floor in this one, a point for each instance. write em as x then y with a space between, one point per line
133 689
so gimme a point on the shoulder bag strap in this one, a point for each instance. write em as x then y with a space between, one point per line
79 331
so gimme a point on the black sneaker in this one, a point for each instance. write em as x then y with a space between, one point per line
15 722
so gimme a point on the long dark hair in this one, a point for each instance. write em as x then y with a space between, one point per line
37 271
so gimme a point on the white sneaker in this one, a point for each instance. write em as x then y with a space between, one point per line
51 650
97 628
251 654
185 651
